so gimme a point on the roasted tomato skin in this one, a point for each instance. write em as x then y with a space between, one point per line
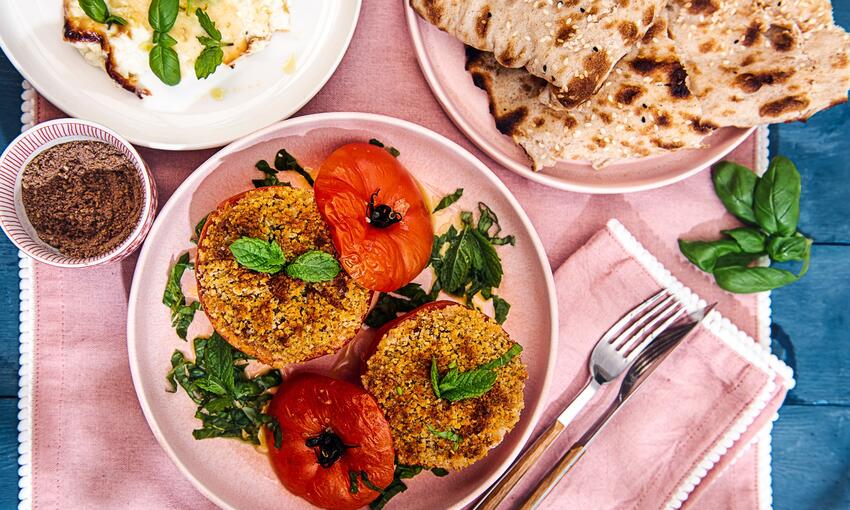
381 258
311 407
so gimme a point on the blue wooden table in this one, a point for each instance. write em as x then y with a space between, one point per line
811 331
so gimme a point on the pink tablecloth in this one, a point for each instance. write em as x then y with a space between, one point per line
91 447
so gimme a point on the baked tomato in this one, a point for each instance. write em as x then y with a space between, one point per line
380 225
335 442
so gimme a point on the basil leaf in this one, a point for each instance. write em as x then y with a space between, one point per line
751 240
745 280
173 295
162 14
208 61
116 20
314 266
504 359
456 263
284 161
435 377
735 186
737 259
207 24
164 39
95 9
449 200
182 318
784 249
258 255
491 265
219 363
704 254
500 309
777 198
165 64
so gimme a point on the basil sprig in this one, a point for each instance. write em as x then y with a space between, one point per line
98 11
465 265
770 206
230 404
182 312
455 385
163 60
267 257
212 55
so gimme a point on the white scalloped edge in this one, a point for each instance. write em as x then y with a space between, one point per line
25 373
727 332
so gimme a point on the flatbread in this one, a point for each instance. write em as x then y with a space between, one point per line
572 44
643 109
757 62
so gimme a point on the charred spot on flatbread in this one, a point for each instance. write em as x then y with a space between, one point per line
784 105
703 6
751 36
628 31
483 22
752 82
781 37
507 122
628 93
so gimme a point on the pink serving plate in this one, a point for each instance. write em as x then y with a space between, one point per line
442 60
233 474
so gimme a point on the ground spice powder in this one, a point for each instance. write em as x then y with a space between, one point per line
83 198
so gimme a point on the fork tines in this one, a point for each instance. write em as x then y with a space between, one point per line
644 323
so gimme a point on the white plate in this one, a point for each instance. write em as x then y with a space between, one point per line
256 93
232 474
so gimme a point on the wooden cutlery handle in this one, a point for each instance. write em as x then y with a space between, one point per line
507 482
554 476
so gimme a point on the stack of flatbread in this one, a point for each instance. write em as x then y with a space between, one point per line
608 80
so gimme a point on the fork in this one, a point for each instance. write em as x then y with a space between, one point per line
614 351
638 372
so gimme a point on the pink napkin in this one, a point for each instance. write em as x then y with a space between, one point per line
90 446
699 410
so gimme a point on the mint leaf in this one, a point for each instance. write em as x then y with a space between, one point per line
314 266
207 24
456 385
258 255
491 264
448 435
207 62
435 377
504 359
448 200
219 363
456 263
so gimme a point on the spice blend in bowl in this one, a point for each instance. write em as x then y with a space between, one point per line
74 193
82 197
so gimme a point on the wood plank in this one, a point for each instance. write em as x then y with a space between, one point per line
811 458
821 150
8 453
10 126
810 328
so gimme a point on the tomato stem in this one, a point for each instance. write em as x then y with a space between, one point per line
328 447
382 215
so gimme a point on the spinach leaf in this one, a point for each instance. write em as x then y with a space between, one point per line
704 254
258 255
751 240
777 198
784 249
448 200
735 186
501 309
314 266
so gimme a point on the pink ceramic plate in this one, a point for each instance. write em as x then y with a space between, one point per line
442 60
233 474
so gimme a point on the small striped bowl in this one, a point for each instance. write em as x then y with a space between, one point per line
43 136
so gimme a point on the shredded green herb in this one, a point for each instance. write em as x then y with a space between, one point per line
396 487
392 150
182 312
283 162
229 403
